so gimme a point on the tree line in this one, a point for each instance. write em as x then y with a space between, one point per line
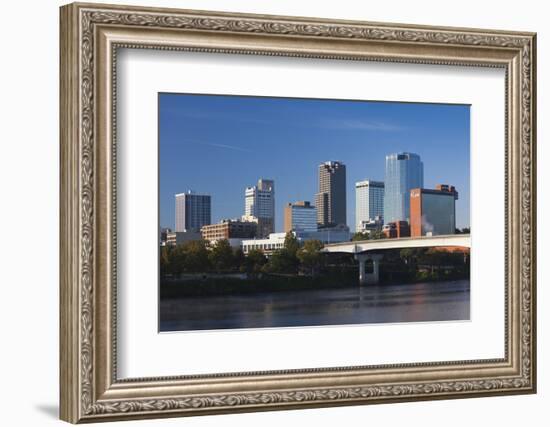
198 256
419 264
306 258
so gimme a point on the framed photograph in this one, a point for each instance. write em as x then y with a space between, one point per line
266 212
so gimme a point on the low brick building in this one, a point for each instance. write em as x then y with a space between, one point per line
229 229
396 230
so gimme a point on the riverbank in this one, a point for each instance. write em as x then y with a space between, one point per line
254 285
268 283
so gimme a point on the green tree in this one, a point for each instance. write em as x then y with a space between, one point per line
178 258
221 256
310 255
166 266
238 259
283 261
376 235
291 243
196 256
434 258
360 236
373 235
255 260
411 255
407 254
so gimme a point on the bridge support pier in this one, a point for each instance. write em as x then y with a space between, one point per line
368 278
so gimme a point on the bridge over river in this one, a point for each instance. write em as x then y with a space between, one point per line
369 250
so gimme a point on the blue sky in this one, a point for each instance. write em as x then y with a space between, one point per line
219 145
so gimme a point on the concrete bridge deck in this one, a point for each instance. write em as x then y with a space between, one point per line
462 240
366 250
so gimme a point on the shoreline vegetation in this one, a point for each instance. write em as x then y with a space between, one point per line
213 286
195 269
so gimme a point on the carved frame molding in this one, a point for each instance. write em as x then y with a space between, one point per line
90 36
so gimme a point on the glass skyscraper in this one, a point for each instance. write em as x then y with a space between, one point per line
404 171
192 211
300 216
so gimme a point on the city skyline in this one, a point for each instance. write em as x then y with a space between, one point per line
364 131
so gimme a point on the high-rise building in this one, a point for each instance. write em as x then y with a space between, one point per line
192 211
404 171
330 200
433 211
259 206
369 203
300 216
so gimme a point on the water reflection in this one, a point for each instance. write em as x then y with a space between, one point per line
418 302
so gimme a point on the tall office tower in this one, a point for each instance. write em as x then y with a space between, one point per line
433 211
300 216
404 171
331 198
369 203
259 206
192 211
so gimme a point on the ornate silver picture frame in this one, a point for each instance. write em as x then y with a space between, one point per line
91 36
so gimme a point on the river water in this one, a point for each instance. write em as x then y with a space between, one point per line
419 302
